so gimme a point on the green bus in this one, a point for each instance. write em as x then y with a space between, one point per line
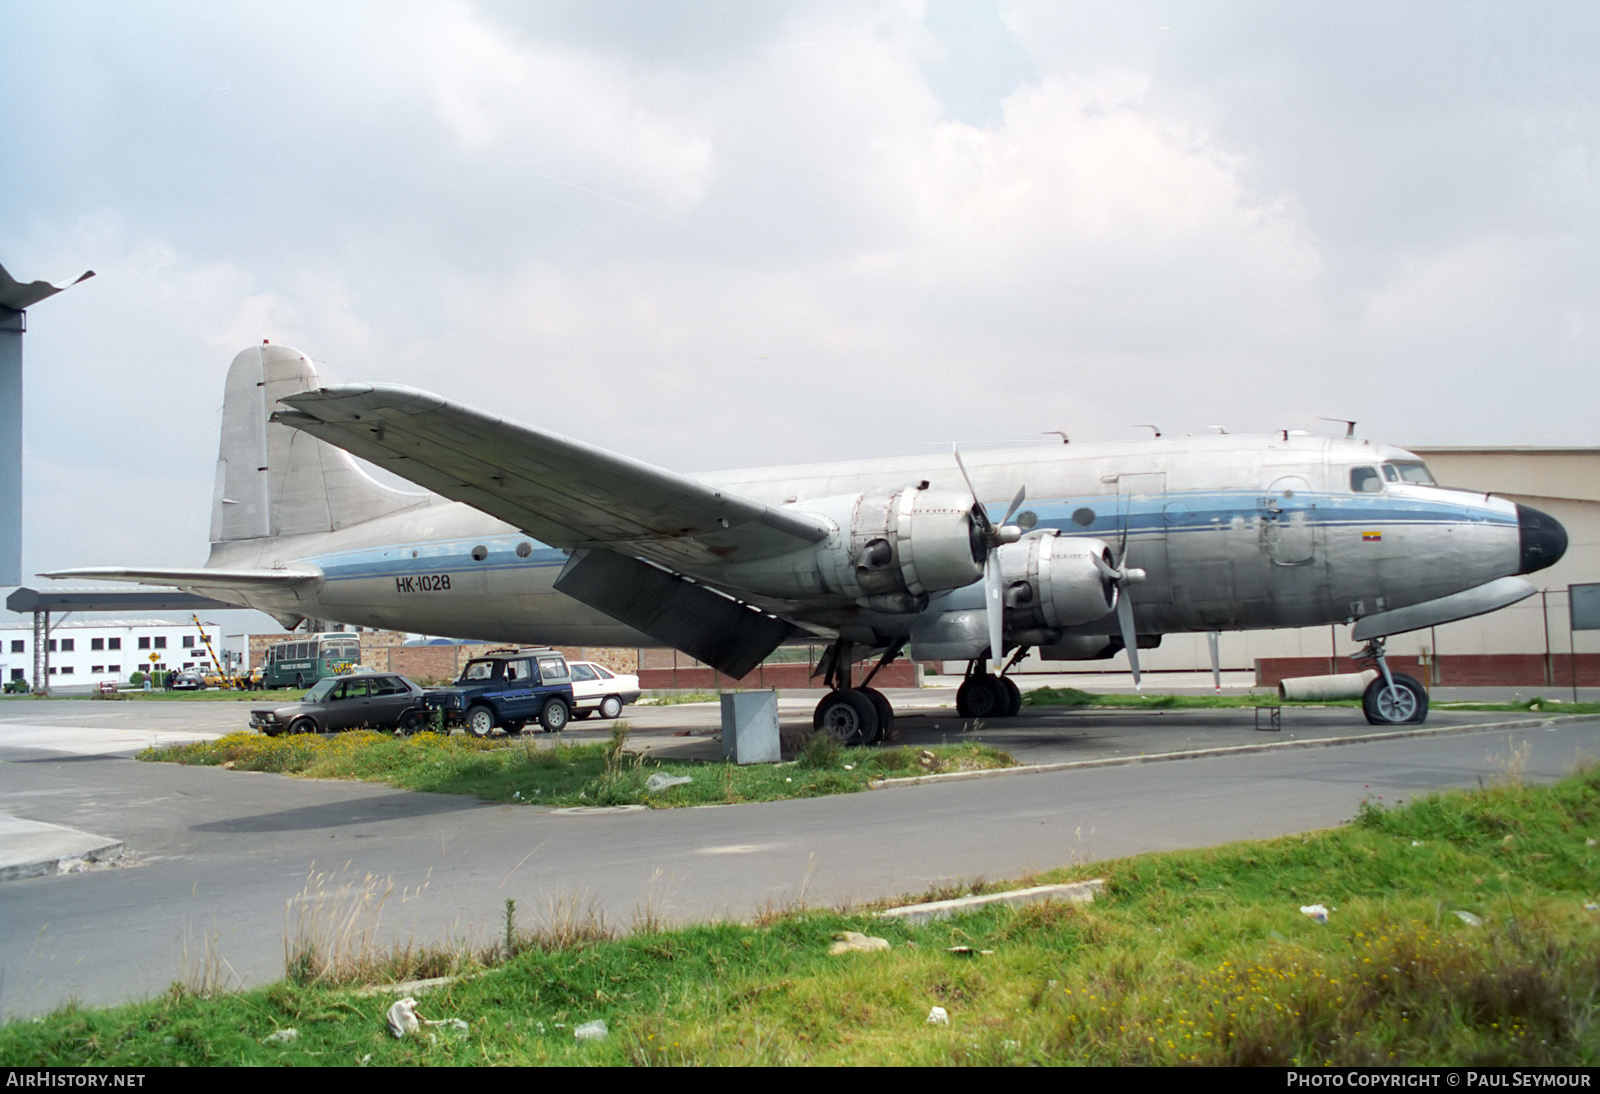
303 661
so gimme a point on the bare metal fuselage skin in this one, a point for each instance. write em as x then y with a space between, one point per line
1234 533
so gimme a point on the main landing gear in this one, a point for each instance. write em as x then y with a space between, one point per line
984 696
1393 699
853 715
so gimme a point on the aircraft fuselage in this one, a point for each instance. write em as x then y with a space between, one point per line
1234 533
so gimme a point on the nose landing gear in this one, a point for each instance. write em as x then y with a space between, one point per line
1394 698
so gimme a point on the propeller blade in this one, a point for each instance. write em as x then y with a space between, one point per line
1016 503
995 609
978 507
1212 638
1130 637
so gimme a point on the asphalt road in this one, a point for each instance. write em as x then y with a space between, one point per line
219 864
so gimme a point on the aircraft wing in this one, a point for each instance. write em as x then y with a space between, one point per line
561 491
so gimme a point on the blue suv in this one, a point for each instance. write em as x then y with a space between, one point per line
507 689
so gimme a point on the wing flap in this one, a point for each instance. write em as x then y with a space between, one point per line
562 491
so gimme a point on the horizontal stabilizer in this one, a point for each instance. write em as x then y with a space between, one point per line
234 586
1446 609
708 626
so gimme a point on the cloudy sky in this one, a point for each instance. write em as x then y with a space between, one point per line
730 234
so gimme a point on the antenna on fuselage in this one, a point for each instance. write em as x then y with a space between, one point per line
1147 425
1220 429
1349 426
1057 433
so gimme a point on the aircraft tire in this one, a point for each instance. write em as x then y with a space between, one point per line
982 697
610 707
847 716
885 712
1405 704
1013 697
554 716
480 721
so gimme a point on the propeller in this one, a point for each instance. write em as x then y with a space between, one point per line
1122 576
994 536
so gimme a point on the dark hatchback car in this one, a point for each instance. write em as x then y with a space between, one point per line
377 700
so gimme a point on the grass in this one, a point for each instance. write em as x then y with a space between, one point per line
1197 957
676 698
558 774
1072 697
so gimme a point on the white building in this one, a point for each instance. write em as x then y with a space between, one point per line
87 652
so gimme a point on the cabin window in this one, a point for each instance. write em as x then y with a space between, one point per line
1365 480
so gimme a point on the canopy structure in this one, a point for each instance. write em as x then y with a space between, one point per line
15 298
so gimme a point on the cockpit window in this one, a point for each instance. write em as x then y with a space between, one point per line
1410 471
1390 474
1365 480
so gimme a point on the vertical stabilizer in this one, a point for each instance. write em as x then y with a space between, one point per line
273 480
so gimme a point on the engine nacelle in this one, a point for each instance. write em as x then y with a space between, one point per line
1051 582
889 551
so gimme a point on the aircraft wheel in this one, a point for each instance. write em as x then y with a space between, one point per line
554 716
1013 697
480 721
847 716
1406 703
982 697
885 711
610 707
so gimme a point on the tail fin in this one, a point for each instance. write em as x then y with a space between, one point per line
276 481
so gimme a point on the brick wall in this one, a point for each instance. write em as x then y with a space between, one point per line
795 674
1452 670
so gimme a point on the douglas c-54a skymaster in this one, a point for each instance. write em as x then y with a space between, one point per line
1078 551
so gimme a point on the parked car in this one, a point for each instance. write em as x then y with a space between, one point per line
379 700
596 689
507 689
187 680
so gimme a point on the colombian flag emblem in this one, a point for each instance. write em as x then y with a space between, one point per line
1371 537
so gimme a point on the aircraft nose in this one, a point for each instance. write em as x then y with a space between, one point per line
1544 541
